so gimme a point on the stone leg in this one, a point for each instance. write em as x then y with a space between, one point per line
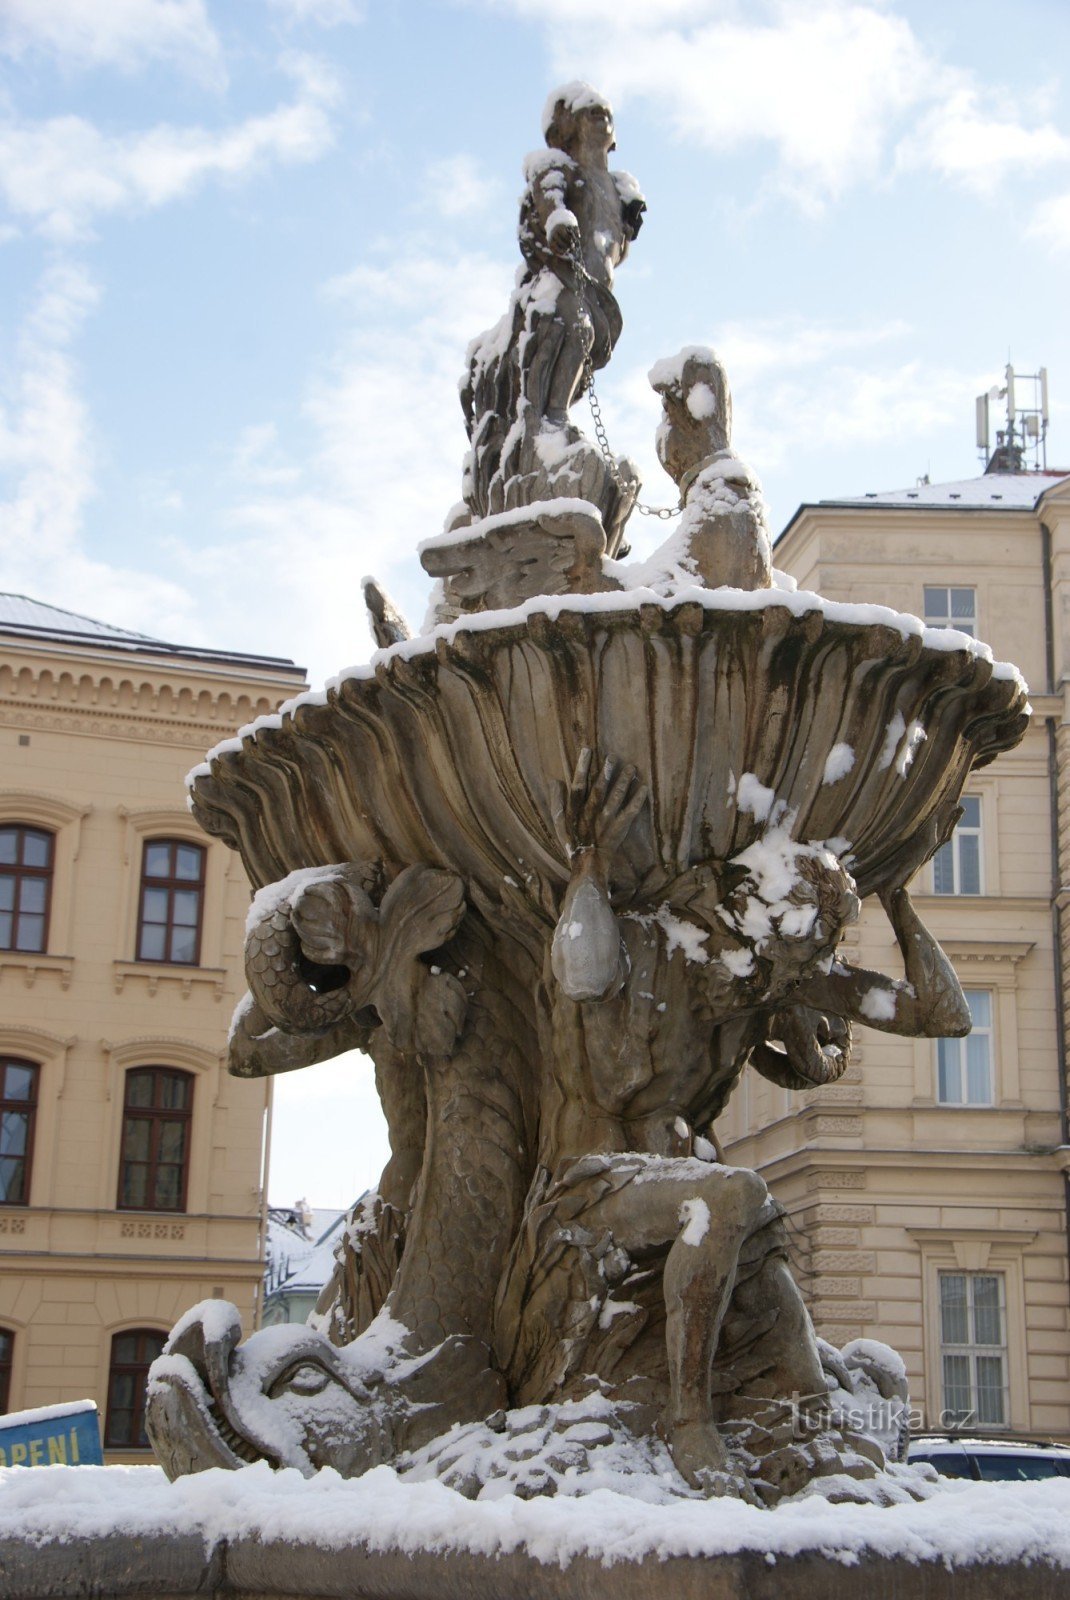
708 1216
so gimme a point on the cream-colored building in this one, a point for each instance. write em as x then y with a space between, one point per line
130 1163
927 1189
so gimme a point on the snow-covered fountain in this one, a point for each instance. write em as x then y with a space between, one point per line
566 864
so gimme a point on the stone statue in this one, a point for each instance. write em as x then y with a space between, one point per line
566 873
577 220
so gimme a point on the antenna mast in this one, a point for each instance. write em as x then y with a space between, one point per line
1025 434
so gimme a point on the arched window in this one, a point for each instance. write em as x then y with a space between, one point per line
18 1107
132 1353
154 1159
7 1353
172 902
25 886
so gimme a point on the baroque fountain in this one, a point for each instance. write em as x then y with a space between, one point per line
566 864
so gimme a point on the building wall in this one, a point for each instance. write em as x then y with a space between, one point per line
94 746
884 1187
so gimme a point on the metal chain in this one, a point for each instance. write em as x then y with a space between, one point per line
664 513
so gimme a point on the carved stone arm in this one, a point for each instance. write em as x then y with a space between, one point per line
928 1003
257 1049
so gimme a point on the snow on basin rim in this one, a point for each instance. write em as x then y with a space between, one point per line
962 1522
799 602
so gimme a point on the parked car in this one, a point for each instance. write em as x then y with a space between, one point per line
962 1456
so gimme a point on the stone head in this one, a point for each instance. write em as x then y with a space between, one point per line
577 119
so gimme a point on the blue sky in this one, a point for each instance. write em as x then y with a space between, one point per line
243 244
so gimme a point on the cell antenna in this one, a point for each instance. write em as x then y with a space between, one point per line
1022 444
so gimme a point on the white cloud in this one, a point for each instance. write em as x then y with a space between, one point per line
61 173
1051 223
323 13
843 91
979 141
115 33
48 459
458 186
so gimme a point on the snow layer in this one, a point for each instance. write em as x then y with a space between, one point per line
799 602
960 1522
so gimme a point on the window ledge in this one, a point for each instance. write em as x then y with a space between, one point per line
154 973
33 962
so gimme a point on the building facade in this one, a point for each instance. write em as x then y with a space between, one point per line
131 1165
927 1189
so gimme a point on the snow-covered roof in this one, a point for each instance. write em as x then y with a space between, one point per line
298 1262
23 617
1013 491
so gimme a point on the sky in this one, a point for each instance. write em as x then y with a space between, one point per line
244 244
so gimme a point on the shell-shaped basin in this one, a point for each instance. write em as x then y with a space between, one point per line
740 712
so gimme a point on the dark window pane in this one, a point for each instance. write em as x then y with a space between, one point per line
986 1311
154 905
134 1192
188 862
936 603
168 1188
962 604
183 945
139 1087
36 849
5 930
137 1139
172 1141
123 1382
30 933
12 1181
18 1082
6 1344
970 862
174 1091
949 1076
153 943
944 869
7 893
1009 1468
954 1328
34 894
9 845
14 1127
186 904
157 861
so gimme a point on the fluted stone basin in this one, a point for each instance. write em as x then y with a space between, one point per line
741 711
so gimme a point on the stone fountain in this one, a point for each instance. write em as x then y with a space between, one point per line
566 864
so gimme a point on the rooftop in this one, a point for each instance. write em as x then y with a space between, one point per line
26 618
1000 490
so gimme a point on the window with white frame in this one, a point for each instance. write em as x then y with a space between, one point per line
964 1066
951 608
973 1349
957 864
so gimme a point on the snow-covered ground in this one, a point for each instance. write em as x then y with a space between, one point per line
959 1523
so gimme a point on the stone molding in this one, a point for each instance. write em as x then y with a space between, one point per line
128 1566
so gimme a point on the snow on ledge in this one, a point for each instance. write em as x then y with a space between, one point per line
960 1523
799 602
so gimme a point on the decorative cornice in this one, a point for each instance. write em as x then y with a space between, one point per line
107 697
996 951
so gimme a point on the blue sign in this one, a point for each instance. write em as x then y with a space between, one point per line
52 1436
